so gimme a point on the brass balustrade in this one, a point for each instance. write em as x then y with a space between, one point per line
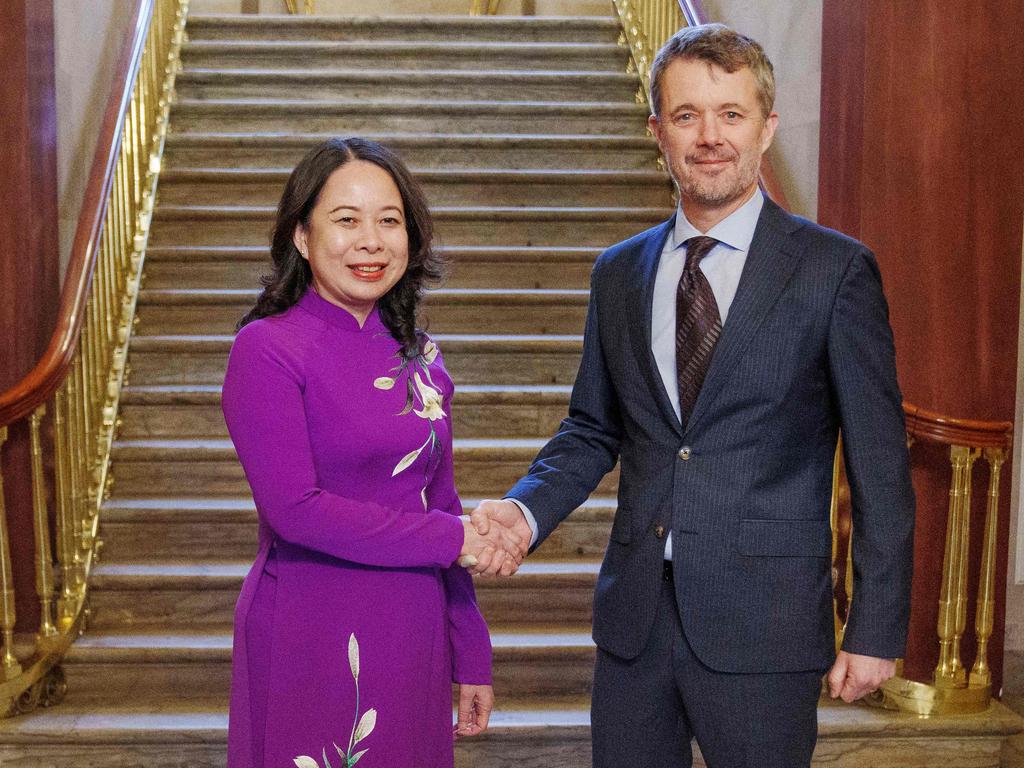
646 26
952 690
78 381
483 7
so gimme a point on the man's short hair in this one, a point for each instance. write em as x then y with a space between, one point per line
725 48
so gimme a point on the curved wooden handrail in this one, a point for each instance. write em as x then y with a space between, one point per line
939 428
42 381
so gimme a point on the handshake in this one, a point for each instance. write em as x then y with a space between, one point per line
497 539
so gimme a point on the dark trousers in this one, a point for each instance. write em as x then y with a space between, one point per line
645 711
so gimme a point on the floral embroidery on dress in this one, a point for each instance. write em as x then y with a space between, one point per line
420 391
361 726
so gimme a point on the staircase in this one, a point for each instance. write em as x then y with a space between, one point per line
534 154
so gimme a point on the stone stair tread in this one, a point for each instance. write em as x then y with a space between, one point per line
499 140
204 394
392 75
573 175
379 22
222 342
218 253
382 48
377 106
231 571
247 295
108 645
197 509
549 212
196 722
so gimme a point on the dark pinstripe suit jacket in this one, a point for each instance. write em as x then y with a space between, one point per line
806 350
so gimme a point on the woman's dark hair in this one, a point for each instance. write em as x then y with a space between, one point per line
292 275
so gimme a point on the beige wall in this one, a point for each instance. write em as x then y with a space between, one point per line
790 31
87 39
1015 571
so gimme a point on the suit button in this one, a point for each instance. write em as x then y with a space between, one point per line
685 453
659 531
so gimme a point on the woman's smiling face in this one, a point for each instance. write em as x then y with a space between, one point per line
355 241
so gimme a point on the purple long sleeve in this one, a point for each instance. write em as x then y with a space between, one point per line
470 639
266 414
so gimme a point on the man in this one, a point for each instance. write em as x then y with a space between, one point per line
724 350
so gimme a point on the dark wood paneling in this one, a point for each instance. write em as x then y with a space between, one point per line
922 158
28 245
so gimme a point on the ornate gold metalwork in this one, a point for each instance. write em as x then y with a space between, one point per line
953 594
9 666
85 405
981 675
44 559
952 690
483 7
647 24
293 6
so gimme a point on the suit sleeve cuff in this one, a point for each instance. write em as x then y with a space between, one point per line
530 519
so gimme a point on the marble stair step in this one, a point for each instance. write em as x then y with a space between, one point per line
193 411
539 669
419 149
470 359
448 310
194 735
183 596
210 529
239 267
551 226
347 117
393 83
189 735
504 187
392 28
405 54
210 466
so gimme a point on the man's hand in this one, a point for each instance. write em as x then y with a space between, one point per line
495 550
853 675
507 514
475 705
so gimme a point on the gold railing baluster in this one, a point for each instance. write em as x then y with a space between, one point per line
949 671
65 524
44 559
985 612
85 402
9 666
962 567
647 25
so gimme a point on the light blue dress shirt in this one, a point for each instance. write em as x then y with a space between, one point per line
722 267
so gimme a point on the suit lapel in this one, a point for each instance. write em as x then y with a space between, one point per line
769 265
643 297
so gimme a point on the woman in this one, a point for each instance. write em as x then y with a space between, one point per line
355 619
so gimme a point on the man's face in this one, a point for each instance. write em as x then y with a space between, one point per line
712 134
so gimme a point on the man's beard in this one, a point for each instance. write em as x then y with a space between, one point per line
729 185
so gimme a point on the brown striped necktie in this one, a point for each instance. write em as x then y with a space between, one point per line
698 325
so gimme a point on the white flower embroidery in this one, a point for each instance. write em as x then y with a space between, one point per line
431 400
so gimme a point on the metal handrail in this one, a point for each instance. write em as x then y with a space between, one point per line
79 378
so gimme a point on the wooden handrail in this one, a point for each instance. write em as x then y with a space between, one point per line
938 428
40 384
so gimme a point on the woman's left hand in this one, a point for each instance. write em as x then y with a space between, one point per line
475 705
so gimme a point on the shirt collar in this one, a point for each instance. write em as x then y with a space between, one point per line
736 230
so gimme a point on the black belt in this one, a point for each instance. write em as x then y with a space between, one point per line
666 570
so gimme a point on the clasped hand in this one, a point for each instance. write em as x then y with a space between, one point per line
497 539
